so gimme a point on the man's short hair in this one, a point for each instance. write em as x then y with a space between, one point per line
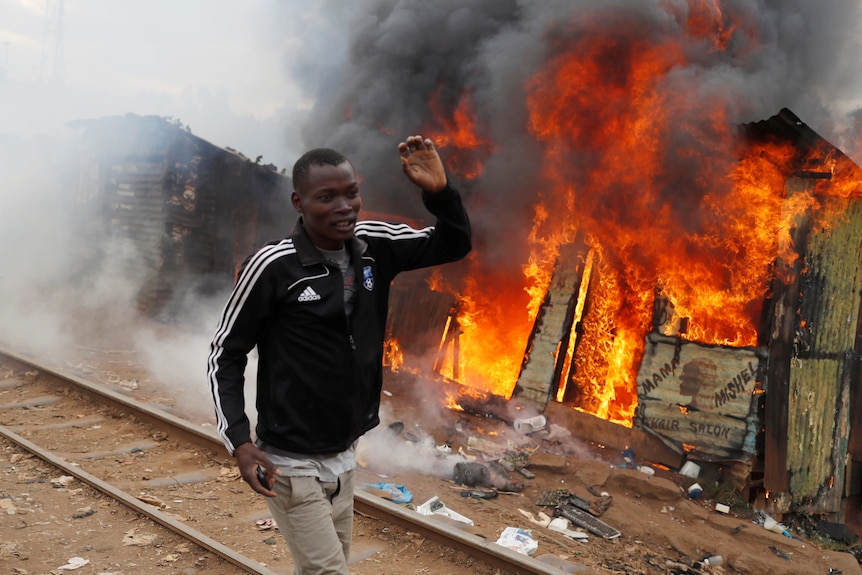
315 157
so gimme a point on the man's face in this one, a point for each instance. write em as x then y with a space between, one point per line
328 199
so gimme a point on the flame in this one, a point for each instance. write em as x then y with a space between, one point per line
465 394
492 339
435 281
451 403
668 197
393 357
458 131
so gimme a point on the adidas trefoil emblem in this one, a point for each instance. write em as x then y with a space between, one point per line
308 294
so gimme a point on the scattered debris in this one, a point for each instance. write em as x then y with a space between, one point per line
771 524
587 521
489 474
518 461
479 493
779 552
74 563
86 512
517 539
394 493
600 505
266 524
711 561
561 525
680 568
646 469
530 425
559 497
542 521
152 500
435 506
130 384
690 469
695 491
62 482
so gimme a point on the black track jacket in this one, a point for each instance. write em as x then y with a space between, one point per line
320 372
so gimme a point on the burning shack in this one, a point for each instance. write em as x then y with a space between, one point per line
188 210
772 402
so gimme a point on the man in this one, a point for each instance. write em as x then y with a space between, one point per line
315 305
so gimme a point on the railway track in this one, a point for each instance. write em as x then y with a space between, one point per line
176 475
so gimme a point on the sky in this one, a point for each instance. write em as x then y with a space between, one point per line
222 68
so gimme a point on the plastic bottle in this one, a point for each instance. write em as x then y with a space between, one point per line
695 491
710 561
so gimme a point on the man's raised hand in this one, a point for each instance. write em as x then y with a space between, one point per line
421 164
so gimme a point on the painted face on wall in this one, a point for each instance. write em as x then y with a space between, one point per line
328 199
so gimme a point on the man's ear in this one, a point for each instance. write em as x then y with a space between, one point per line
296 201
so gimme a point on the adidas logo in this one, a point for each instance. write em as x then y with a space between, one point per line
308 294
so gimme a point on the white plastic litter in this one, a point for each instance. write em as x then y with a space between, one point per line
542 521
74 563
774 526
436 507
529 425
517 539
561 525
690 469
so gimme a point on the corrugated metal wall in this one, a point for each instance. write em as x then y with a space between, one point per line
180 213
820 372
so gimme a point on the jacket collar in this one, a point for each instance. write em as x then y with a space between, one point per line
310 255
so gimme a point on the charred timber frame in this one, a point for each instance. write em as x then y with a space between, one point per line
548 342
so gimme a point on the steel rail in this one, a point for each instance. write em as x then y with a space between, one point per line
132 502
364 503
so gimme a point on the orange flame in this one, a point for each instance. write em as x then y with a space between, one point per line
668 197
393 358
459 132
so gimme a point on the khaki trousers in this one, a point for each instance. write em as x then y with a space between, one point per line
316 521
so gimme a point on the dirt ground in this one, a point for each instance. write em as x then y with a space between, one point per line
657 520
415 450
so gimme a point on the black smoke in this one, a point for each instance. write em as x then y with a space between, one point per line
763 56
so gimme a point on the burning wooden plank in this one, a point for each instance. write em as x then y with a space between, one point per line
548 342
